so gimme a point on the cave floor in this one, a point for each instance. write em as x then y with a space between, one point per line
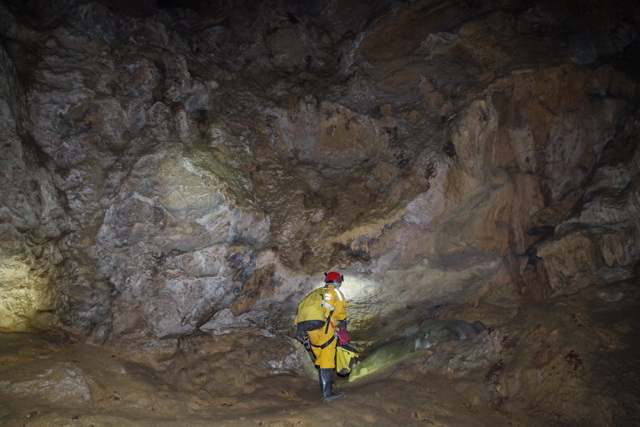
47 383
568 361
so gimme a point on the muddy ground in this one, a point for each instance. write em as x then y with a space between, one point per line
78 384
572 361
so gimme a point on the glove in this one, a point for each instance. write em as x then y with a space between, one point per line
307 343
341 331
301 335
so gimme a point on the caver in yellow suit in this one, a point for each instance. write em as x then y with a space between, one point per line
318 315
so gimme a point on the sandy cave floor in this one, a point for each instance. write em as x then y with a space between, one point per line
121 393
571 361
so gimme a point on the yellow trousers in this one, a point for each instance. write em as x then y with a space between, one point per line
325 357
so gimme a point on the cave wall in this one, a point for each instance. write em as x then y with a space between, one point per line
171 169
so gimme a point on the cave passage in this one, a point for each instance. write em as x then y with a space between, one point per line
176 176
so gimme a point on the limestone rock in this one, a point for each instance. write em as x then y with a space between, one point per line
177 164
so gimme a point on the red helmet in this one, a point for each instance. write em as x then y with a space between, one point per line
333 277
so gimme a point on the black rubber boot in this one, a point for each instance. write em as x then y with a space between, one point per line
326 385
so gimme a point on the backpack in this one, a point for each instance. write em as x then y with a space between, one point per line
346 357
310 313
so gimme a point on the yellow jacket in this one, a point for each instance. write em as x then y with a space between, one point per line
331 299
335 301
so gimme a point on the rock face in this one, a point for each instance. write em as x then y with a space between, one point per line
168 166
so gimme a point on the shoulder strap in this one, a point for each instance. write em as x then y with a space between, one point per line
326 328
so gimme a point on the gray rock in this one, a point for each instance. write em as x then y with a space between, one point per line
434 332
582 50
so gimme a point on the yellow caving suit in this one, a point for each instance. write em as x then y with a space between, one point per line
333 300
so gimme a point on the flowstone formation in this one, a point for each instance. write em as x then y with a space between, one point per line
171 169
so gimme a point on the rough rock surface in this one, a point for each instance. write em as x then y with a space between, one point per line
173 168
